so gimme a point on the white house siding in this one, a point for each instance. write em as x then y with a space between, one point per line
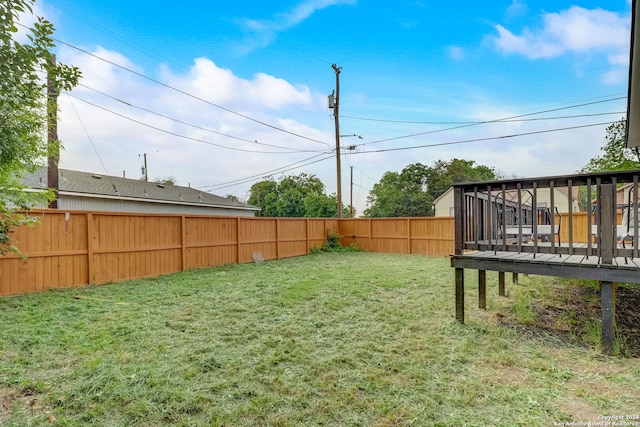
444 204
560 198
96 204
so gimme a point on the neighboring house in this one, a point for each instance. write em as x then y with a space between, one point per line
94 192
625 193
443 205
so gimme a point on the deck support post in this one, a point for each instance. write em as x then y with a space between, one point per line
608 302
515 278
482 289
501 291
460 295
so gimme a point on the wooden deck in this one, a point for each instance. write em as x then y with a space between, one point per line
497 229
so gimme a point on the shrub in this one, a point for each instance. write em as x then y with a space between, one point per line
332 244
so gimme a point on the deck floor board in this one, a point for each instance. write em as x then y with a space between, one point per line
626 270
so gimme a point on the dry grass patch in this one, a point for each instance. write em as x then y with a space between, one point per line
334 339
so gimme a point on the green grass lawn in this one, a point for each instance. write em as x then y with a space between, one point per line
332 339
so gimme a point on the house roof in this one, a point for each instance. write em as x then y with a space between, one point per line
88 184
563 190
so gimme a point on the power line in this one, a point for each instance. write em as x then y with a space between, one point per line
492 138
189 137
607 98
479 123
193 125
282 169
95 149
279 170
491 121
192 96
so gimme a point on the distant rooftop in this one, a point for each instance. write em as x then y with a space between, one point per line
90 184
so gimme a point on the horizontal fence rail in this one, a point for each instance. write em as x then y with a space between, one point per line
75 248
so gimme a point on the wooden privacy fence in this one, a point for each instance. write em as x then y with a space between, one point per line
580 226
77 248
426 236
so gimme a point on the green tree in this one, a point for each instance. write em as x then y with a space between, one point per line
301 195
165 180
25 109
292 191
264 195
320 206
616 156
400 194
233 198
444 174
413 191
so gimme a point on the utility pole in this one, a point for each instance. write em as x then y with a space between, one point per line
145 171
52 133
336 115
351 196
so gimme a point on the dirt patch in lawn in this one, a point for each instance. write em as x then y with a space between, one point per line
12 400
628 317
572 309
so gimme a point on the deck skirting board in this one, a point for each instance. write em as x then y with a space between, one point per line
623 270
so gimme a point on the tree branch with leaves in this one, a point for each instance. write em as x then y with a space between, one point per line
25 110
616 156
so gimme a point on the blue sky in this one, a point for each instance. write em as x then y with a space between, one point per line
223 94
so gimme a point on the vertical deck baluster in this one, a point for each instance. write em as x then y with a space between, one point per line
504 219
614 216
459 215
634 252
552 201
519 217
534 204
608 217
589 219
476 216
489 209
598 217
570 230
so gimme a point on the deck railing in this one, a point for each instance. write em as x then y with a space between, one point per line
530 215
516 225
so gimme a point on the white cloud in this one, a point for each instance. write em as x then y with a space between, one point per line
517 9
573 30
119 141
221 86
577 31
615 77
263 32
282 104
27 18
102 74
619 59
